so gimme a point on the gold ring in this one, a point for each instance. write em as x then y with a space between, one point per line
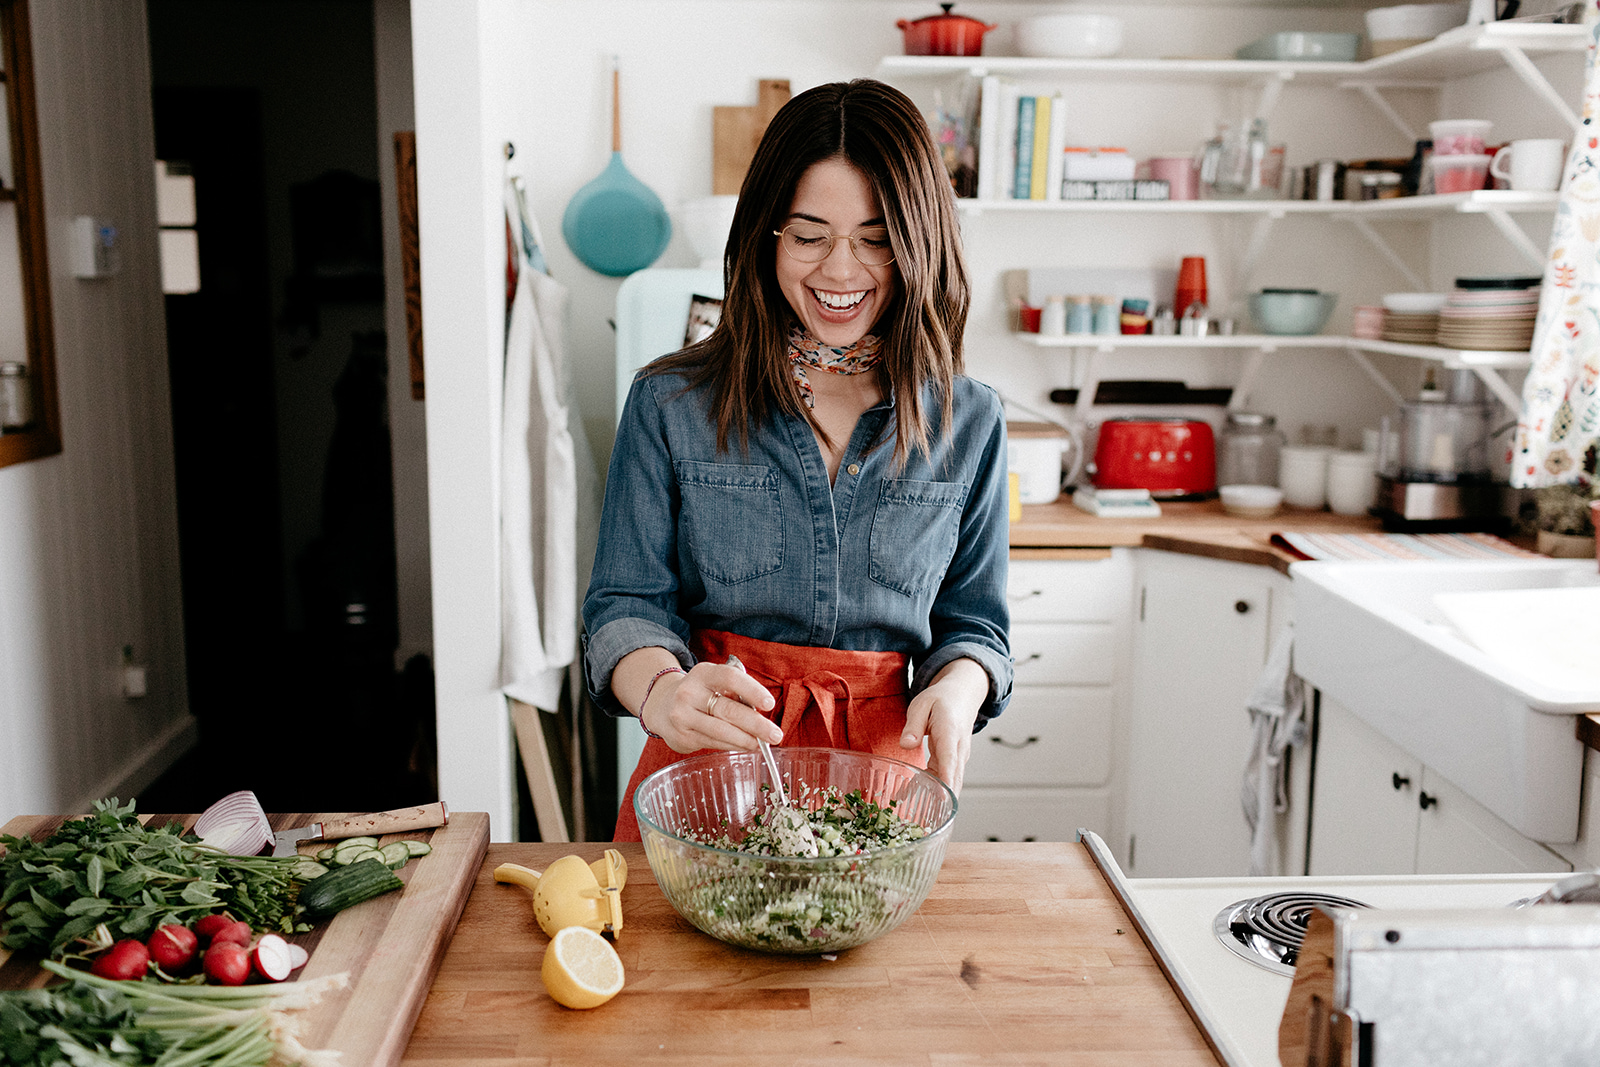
711 708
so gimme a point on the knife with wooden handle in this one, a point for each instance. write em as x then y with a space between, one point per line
376 824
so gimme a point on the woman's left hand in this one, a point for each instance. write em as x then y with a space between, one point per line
945 712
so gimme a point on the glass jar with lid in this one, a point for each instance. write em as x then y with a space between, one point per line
1247 453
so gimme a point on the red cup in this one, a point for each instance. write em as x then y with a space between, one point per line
1191 284
1030 318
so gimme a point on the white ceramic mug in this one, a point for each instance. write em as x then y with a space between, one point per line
1352 482
1303 475
1532 165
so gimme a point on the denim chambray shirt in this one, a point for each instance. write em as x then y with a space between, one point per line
910 560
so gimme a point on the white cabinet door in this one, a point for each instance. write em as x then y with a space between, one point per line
1364 805
998 814
1457 835
1378 810
1064 653
1200 643
1049 735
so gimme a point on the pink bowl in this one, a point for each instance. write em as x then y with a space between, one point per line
1459 174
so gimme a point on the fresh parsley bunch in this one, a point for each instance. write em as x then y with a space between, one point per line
108 868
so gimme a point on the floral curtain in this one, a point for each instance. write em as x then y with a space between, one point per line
1560 421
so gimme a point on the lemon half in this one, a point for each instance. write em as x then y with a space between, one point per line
581 969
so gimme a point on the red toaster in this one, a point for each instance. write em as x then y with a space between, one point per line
1169 457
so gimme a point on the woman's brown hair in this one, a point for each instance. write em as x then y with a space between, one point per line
745 359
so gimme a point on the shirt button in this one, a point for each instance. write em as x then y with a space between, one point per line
854 468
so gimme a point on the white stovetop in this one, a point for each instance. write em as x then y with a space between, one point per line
1240 1004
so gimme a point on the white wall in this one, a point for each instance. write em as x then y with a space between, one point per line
88 538
462 54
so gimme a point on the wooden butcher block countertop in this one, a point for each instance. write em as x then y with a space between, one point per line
1021 955
1196 527
389 945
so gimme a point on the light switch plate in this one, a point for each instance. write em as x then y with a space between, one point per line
95 253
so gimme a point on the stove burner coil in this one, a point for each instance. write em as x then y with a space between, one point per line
1268 930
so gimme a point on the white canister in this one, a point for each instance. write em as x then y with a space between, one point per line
1037 453
1352 482
1303 475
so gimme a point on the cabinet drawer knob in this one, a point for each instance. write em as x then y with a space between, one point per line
1427 801
1017 598
1242 607
1401 781
1013 744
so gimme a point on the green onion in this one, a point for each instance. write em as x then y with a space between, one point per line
93 1020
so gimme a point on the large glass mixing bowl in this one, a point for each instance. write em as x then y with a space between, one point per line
796 905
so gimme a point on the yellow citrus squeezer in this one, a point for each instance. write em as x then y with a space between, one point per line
574 892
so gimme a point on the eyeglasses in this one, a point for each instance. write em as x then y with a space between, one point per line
810 243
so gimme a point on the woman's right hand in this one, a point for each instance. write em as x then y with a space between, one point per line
715 705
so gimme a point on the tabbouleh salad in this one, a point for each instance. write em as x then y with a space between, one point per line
824 903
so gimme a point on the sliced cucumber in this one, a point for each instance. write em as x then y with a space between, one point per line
325 855
417 848
308 869
346 859
395 854
370 842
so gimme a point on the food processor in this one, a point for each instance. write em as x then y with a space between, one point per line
1434 473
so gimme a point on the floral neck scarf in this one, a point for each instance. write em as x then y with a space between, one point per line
806 351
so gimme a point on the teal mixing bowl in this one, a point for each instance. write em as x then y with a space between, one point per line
1294 312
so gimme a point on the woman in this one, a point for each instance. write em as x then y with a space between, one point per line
814 488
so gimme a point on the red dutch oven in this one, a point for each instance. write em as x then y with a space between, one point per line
944 35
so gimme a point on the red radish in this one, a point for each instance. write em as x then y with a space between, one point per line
273 959
208 925
298 956
237 932
124 961
173 947
227 963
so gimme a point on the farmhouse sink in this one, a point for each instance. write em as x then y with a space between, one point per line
1373 637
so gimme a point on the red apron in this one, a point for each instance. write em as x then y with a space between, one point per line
826 698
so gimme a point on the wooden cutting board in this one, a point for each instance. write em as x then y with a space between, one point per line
735 132
390 945
1021 955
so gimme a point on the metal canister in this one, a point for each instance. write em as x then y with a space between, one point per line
16 397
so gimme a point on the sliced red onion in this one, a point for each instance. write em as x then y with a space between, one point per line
272 958
235 824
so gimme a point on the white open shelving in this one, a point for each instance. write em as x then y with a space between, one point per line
1457 53
1453 54
1397 209
1486 364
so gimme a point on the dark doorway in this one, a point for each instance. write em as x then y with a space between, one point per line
279 415
224 418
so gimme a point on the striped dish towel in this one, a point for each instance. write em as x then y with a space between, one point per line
1397 546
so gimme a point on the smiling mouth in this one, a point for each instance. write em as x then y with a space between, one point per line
839 301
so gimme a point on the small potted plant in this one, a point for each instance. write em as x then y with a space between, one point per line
1564 514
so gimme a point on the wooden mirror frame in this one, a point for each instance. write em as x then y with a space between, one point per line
44 437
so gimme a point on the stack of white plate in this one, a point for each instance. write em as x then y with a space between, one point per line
1412 318
1485 318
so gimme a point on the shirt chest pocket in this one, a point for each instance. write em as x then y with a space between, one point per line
731 519
914 532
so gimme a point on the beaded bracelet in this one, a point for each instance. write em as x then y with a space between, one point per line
662 673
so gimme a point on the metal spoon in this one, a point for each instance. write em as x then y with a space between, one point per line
794 828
